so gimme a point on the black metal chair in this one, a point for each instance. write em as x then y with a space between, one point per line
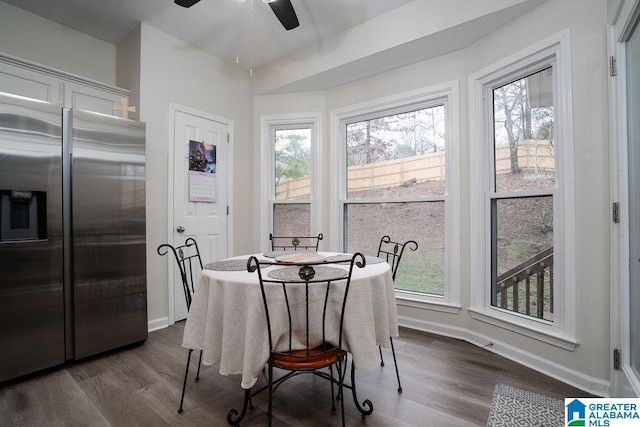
294 243
189 263
308 332
392 252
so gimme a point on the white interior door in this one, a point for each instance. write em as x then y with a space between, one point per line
625 36
633 135
205 221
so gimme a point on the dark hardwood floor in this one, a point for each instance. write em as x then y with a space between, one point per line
446 382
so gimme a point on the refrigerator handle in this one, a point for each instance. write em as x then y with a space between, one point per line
67 237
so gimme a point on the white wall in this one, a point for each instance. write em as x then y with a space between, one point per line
30 37
128 69
587 366
172 71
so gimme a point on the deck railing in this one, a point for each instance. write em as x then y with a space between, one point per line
535 275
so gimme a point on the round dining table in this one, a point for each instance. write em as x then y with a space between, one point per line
226 319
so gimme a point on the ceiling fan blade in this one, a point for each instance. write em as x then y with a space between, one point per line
185 3
285 13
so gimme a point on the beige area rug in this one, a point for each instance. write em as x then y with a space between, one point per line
512 407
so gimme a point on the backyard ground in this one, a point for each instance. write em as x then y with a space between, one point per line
524 227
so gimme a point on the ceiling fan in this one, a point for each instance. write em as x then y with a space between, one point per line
283 9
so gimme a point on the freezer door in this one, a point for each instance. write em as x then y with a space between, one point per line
31 273
108 217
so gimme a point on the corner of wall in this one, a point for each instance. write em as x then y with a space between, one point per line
128 67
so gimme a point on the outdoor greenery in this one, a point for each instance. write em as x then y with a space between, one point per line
293 154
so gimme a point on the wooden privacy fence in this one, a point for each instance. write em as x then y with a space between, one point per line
533 155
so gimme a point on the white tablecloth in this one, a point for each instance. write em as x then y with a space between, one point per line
226 319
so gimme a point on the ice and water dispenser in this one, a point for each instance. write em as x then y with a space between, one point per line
23 215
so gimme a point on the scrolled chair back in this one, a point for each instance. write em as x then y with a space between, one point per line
295 243
189 262
392 252
308 285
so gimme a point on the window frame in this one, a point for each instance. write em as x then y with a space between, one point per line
447 94
553 51
268 125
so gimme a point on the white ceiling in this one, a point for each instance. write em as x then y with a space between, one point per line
221 27
413 30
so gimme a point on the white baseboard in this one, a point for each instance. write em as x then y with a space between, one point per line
155 324
596 386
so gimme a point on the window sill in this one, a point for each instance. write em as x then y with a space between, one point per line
550 337
407 299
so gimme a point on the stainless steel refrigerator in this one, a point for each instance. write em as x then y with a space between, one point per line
72 234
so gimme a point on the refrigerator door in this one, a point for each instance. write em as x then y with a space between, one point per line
108 217
31 272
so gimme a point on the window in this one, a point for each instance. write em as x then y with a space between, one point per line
522 195
399 158
290 177
521 165
398 179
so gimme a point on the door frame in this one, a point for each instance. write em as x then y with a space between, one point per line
622 16
171 270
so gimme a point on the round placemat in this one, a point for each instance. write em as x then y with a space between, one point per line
228 265
345 258
321 273
339 258
275 254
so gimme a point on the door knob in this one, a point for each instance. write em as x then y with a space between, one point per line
180 229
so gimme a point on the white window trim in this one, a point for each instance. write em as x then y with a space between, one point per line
449 93
267 166
562 332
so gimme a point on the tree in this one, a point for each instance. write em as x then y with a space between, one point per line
423 131
510 103
293 154
512 107
366 142
396 136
